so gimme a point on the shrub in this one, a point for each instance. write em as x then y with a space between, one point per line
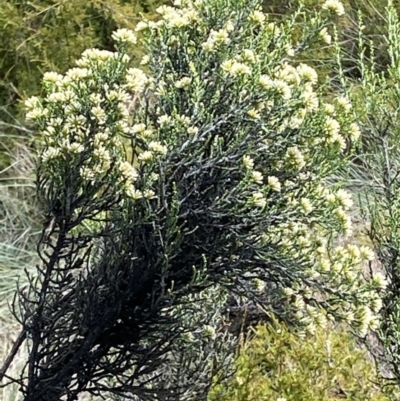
206 174
276 365
374 174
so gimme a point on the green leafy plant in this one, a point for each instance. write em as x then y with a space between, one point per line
276 365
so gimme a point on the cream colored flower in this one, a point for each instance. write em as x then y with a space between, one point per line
249 56
376 304
141 26
145 60
367 253
99 114
248 162
239 69
95 55
310 98
258 284
136 80
183 83
257 177
266 82
380 280
133 193
334 5
258 17
76 74
229 27
287 73
124 35
354 131
192 130
164 120
307 73
146 156
259 200
32 103
86 173
128 171
295 157
344 103
209 331
50 153
56 97
274 184
221 36
138 128
52 78
344 219
289 50
75 147
283 88
253 113
354 252
273 29
329 108
324 35
306 205
332 127
149 194
344 199
157 147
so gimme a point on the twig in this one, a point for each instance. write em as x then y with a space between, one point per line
16 346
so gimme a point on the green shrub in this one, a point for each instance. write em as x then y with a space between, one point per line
276 365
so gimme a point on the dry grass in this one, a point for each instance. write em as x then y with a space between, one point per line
19 230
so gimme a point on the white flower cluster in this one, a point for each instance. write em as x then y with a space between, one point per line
124 36
235 68
335 6
287 80
217 38
136 80
176 18
341 267
258 17
171 17
82 120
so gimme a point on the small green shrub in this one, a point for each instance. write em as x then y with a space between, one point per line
277 365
